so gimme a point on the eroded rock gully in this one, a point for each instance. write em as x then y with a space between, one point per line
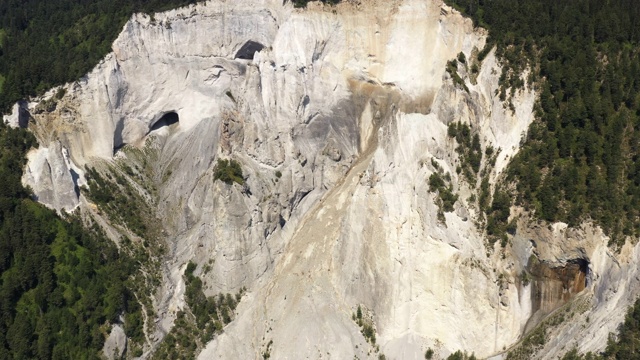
337 116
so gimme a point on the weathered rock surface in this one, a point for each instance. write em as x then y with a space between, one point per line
52 176
116 343
612 282
19 116
336 115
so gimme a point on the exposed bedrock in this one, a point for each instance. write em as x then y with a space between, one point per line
337 116
552 287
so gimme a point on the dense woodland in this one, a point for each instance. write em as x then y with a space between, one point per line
62 282
580 158
48 43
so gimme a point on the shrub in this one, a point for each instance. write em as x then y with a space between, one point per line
228 171
429 354
461 58
447 197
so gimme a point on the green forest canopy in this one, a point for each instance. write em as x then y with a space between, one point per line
60 282
48 43
580 159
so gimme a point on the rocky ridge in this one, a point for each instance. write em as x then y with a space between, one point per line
350 106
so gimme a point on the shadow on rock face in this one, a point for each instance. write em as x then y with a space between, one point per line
167 119
247 50
23 114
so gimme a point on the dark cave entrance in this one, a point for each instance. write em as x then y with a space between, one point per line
249 49
167 119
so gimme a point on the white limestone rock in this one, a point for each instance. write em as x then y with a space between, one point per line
52 177
349 105
116 343
19 116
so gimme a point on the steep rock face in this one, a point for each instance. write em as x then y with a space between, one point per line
337 116
116 343
19 116
611 282
53 177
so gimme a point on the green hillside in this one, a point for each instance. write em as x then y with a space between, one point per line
48 43
579 160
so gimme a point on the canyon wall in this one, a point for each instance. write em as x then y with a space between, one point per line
338 117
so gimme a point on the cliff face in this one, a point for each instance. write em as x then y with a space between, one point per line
338 117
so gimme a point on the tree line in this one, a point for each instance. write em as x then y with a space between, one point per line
62 282
580 158
48 43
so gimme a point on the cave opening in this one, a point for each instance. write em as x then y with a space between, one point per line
555 286
249 49
167 119
581 272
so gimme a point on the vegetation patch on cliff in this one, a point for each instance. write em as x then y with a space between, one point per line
468 149
200 322
364 320
440 183
121 191
494 210
228 171
623 345
452 69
